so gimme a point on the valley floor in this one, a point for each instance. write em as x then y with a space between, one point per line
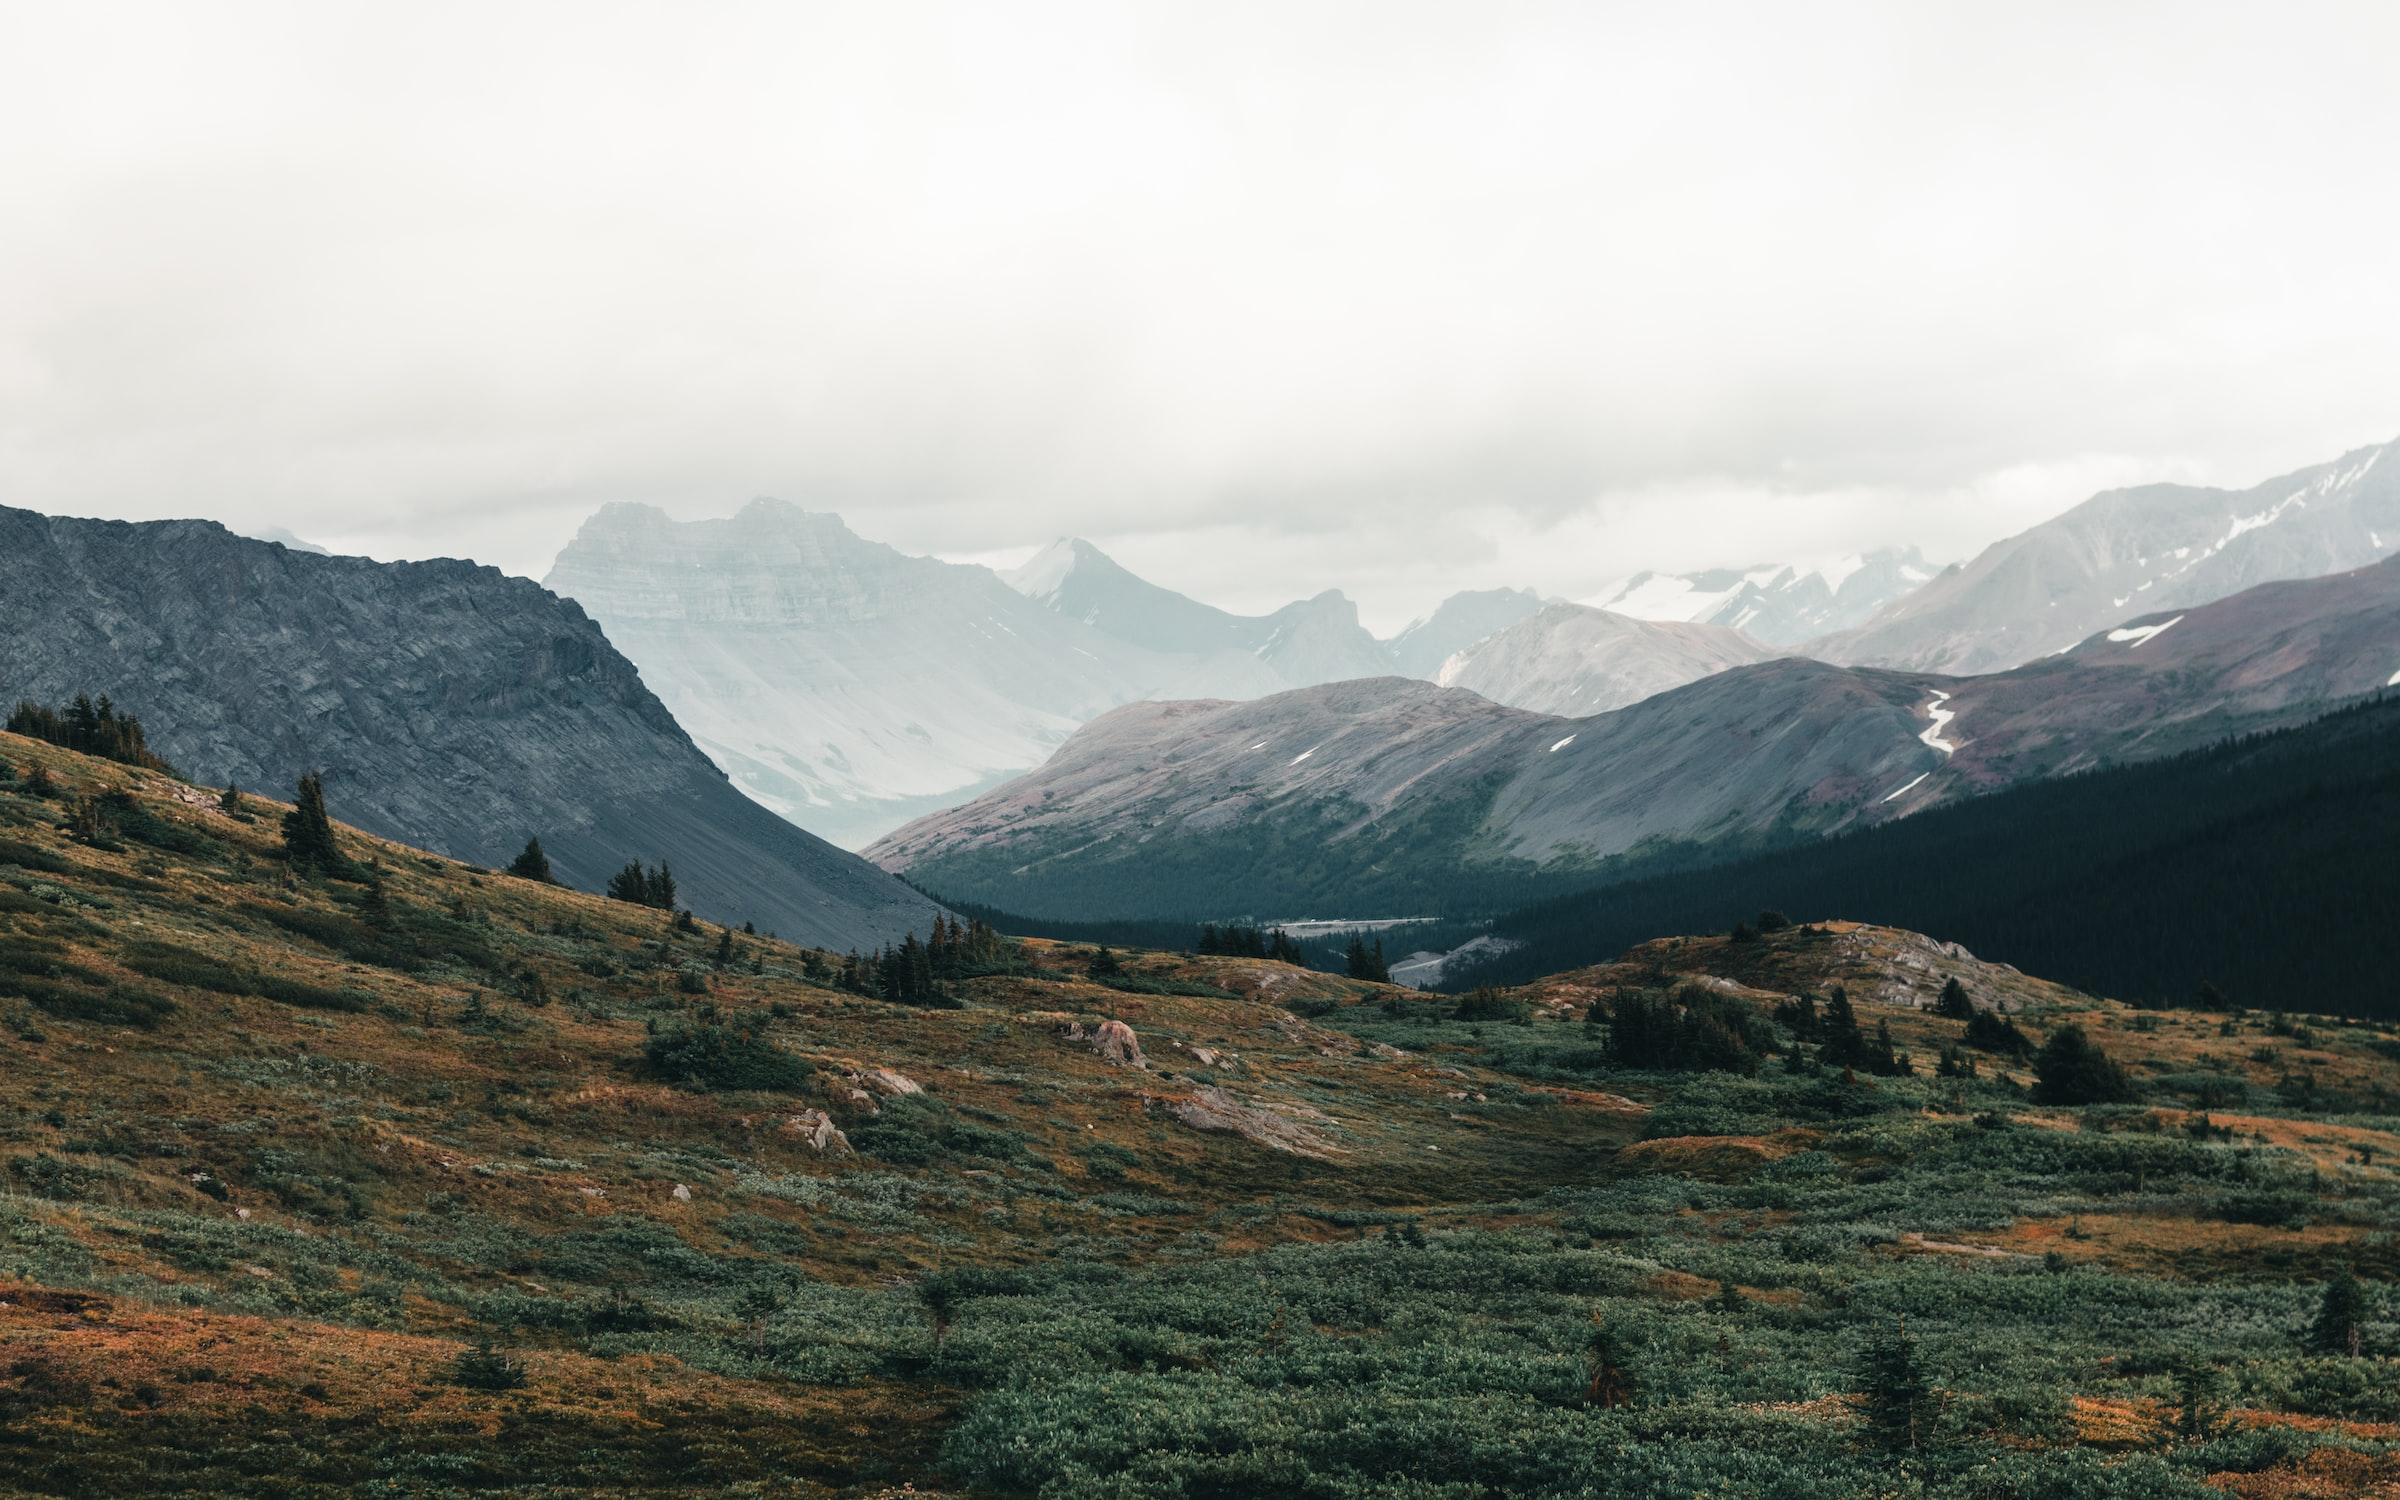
428 1181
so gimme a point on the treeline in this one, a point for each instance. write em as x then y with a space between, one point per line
1237 941
1336 954
89 728
923 973
2261 867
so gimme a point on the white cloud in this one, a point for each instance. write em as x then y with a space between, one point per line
1396 298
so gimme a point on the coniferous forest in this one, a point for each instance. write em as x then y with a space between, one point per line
2262 868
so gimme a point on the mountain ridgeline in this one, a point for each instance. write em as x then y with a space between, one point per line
1392 797
2155 548
852 687
445 704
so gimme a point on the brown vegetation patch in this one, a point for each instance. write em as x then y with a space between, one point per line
1713 1157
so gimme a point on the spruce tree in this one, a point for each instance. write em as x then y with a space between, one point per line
533 864
1899 1397
2071 1070
631 884
308 834
1954 1004
2341 1317
1843 1042
1362 962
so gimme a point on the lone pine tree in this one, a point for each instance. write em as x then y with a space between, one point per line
533 864
2341 1317
308 834
2071 1070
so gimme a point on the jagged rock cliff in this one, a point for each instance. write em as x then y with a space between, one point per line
448 706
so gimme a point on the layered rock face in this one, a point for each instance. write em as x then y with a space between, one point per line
447 706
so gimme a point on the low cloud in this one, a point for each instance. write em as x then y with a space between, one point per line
1263 299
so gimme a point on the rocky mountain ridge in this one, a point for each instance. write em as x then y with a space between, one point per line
1398 791
447 706
2133 552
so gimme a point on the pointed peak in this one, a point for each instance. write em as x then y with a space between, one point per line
1039 576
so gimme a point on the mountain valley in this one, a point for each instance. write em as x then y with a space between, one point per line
424 1178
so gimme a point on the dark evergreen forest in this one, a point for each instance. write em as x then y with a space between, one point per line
2268 867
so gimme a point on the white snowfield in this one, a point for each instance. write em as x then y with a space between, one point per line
1941 720
2137 636
1897 794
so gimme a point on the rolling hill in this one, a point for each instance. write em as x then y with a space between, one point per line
453 1183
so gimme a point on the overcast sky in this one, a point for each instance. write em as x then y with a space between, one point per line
1265 299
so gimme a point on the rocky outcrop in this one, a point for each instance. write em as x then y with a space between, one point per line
447 705
1294 1128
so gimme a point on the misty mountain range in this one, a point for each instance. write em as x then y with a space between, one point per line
1067 736
1427 798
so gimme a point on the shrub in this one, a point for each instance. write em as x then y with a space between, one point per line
484 1368
1487 1004
718 1056
1989 1031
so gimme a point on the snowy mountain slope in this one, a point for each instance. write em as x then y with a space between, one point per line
1393 792
844 684
1798 604
1779 603
1461 620
2123 553
1573 659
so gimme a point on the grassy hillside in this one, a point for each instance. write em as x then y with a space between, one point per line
420 1185
2261 866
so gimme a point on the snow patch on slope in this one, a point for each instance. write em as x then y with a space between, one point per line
1941 720
2139 635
